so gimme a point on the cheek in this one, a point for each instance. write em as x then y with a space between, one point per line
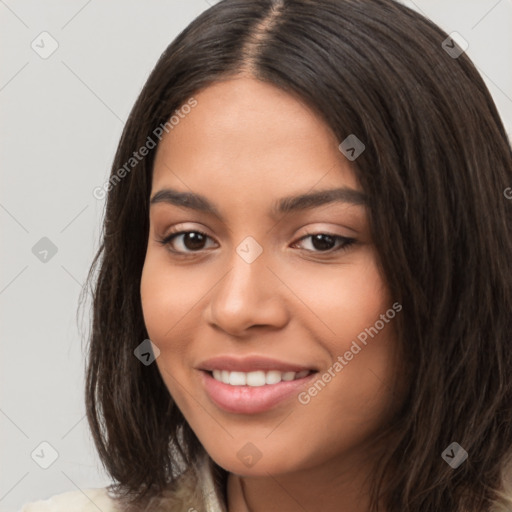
168 297
345 310
359 300
342 300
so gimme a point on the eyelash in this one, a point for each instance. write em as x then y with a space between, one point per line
346 242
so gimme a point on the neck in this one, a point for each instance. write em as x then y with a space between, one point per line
340 485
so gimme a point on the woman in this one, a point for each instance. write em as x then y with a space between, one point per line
303 299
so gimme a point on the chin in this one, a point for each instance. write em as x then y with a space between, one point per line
253 461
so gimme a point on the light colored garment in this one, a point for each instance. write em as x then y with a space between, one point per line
194 492
90 500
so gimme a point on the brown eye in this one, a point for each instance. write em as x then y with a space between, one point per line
186 241
189 242
324 242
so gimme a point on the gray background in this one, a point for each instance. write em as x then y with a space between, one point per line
61 119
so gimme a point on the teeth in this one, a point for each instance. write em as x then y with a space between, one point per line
256 378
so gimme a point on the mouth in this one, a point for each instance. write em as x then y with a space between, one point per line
255 391
257 378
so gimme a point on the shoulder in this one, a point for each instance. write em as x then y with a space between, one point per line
195 489
88 500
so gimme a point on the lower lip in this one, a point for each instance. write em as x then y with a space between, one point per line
251 399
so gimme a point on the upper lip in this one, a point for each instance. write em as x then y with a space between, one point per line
248 364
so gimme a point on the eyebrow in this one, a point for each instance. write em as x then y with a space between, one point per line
284 205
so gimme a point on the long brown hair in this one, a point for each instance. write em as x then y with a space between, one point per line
437 160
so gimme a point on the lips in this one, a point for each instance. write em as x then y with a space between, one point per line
255 398
251 364
251 400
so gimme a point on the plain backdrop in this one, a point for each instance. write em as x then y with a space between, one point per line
60 121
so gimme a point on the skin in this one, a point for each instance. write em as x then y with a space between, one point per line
245 145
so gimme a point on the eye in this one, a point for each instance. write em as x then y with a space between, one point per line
325 242
189 242
192 241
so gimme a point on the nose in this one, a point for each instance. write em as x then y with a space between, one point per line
248 295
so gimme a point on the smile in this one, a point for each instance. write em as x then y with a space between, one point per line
249 393
257 378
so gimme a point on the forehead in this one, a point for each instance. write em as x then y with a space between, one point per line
244 133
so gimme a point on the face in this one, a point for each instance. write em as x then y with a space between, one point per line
275 287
